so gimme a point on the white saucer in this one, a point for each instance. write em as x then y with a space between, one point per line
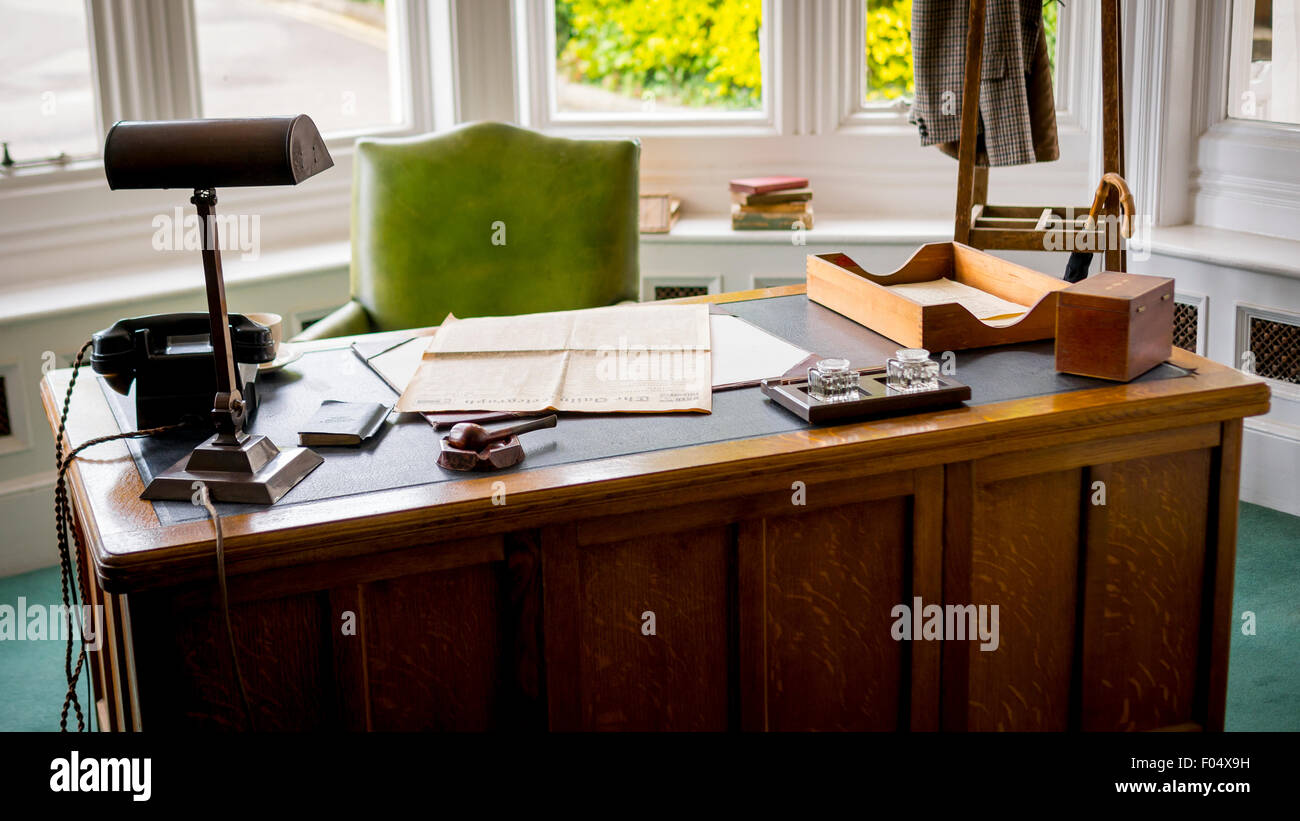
287 353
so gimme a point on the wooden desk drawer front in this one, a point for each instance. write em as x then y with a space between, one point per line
1100 570
772 607
778 621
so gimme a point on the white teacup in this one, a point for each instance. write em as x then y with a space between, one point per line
273 321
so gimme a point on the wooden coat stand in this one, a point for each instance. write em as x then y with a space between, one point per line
1026 228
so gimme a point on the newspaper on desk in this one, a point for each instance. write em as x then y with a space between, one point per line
643 358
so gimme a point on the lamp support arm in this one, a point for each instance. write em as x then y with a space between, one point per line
228 409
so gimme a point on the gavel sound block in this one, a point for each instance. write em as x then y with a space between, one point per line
473 447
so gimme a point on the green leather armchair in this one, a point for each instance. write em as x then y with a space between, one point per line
487 219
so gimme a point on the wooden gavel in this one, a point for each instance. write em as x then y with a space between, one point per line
472 436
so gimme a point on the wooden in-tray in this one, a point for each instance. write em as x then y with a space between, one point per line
839 283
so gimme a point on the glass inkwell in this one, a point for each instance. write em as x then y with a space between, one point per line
832 380
834 392
912 370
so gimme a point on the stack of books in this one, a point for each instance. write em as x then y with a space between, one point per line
771 204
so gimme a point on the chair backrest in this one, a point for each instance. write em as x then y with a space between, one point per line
489 219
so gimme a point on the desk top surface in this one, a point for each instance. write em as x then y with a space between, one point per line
392 486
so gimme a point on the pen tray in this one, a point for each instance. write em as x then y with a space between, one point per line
875 398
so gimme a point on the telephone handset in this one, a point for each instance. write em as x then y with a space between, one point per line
169 358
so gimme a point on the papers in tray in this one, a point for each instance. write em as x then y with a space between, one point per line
992 310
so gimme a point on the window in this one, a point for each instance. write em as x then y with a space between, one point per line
714 89
816 103
666 57
663 60
888 53
47 102
1246 160
1264 61
355 66
672 56
276 57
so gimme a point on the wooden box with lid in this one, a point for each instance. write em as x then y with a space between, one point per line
1115 326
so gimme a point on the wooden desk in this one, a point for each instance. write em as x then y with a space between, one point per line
768 614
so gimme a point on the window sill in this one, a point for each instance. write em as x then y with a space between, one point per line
716 229
1195 242
125 287
185 277
1230 249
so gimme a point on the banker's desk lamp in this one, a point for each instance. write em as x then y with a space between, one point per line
204 155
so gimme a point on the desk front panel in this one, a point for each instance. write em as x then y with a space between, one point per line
767 607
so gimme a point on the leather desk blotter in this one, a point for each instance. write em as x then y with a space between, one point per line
405 454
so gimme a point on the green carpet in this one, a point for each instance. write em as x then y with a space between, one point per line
1263 669
32 682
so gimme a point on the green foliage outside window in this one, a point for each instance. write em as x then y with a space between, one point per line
1050 20
690 52
889 49
706 52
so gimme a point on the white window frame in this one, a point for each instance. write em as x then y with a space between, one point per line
1246 173
144 63
537 73
465 60
865 161
852 71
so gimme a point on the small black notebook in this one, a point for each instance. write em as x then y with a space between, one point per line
343 423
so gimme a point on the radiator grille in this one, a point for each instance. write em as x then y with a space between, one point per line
5 429
1276 349
676 291
1186 316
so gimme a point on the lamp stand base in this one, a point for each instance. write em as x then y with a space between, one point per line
253 472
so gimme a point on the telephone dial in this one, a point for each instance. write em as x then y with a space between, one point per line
169 358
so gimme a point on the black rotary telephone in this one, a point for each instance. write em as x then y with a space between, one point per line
169 358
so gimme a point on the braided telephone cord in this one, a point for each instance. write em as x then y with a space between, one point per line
62 517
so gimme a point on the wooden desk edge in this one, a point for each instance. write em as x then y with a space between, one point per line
137 540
